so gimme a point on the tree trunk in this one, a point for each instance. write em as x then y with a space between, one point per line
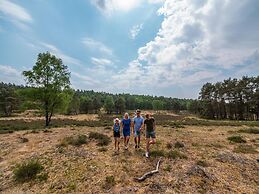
46 114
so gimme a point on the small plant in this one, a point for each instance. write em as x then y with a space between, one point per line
157 153
27 171
75 141
43 177
168 168
102 149
245 149
178 145
23 139
169 145
102 140
109 182
6 131
176 154
249 130
202 163
236 139
107 128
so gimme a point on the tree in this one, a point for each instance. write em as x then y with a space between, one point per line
120 105
109 104
157 104
96 104
8 99
74 105
50 77
86 104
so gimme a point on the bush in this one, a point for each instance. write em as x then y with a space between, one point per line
236 139
178 145
102 149
102 140
202 163
27 171
245 149
169 145
23 140
176 154
157 153
109 182
249 130
75 141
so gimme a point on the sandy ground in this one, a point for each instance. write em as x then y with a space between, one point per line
84 169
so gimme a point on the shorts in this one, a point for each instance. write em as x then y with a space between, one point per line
116 134
137 133
150 134
126 132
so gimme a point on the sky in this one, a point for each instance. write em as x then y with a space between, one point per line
155 47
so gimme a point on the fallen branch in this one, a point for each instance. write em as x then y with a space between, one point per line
148 174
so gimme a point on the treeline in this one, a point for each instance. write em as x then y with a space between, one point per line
21 98
235 99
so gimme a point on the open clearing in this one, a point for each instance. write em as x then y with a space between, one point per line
203 161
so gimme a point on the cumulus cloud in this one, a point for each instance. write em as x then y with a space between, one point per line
10 74
199 40
15 13
134 31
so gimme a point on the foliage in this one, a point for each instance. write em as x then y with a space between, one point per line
50 78
245 149
174 154
178 144
109 104
249 130
8 99
102 140
236 139
74 140
27 171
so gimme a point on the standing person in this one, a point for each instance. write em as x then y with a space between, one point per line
116 134
150 126
126 123
138 124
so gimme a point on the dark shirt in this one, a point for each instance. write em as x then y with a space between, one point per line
150 124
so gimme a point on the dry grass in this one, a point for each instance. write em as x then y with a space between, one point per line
88 168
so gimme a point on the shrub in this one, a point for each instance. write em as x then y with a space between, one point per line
168 168
202 163
157 153
178 145
245 149
75 141
102 149
176 154
249 130
102 140
109 182
23 140
169 145
27 171
6 131
236 139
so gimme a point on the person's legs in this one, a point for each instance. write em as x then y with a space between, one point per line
127 140
118 143
138 140
115 143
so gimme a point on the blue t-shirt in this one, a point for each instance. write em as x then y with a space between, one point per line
116 128
138 121
126 123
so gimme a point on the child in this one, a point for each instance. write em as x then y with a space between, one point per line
116 134
150 132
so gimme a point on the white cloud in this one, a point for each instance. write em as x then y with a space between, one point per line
54 50
199 40
10 74
101 61
96 45
15 13
134 31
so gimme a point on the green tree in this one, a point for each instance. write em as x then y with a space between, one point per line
50 77
109 104
157 105
86 104
74 105
120 105
97 104
8 99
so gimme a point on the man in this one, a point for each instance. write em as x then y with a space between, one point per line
150 126
138 124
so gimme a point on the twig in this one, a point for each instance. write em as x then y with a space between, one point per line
148 174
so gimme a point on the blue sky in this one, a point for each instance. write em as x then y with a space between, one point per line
156 47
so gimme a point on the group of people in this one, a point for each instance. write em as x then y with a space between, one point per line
137 124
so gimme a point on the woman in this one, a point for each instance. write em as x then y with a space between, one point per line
116 134
126 124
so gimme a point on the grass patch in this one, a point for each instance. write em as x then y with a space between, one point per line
169 145
102 149
176 154
27 171
6 131
109 182
168 168
74 140
157 153
178 144
245 149
202 163
23 139
102 140
236 139
249 130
